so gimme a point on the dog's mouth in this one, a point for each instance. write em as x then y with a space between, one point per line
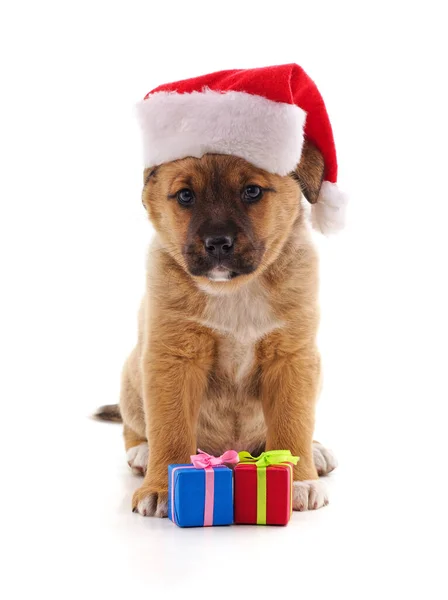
221 272
222 268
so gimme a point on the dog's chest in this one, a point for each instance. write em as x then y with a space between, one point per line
241 319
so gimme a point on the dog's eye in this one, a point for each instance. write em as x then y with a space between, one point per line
185 197
252 193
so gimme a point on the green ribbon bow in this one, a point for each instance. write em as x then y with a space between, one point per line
266 459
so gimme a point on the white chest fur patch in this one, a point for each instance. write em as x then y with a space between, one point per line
245 315
242 318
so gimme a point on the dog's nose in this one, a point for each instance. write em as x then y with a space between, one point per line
219 246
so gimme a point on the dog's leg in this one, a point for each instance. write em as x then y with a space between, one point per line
324 459
289 387
131 409
136 451
175 373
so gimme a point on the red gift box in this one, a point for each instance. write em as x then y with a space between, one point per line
262 490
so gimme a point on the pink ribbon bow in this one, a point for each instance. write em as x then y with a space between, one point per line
205 461
202 460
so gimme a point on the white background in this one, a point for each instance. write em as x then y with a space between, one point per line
73 238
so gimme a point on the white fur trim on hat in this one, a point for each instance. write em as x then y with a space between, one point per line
268 134
328 214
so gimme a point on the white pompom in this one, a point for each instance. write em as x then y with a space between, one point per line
328 214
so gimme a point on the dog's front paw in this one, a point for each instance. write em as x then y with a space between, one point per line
137 457
309 495
149 502
324 459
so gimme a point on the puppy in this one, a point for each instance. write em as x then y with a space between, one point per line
226 355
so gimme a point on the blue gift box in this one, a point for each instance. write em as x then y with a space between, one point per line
187 495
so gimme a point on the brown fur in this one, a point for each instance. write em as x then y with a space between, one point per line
109 412
310 172
232 364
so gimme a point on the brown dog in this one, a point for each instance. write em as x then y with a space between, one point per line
226 354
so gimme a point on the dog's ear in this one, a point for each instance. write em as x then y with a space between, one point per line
310 172
147 174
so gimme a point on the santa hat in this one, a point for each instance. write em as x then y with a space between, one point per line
262 115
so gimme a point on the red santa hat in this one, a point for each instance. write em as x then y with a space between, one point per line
262 115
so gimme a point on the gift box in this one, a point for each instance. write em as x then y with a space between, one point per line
263 488
201 494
